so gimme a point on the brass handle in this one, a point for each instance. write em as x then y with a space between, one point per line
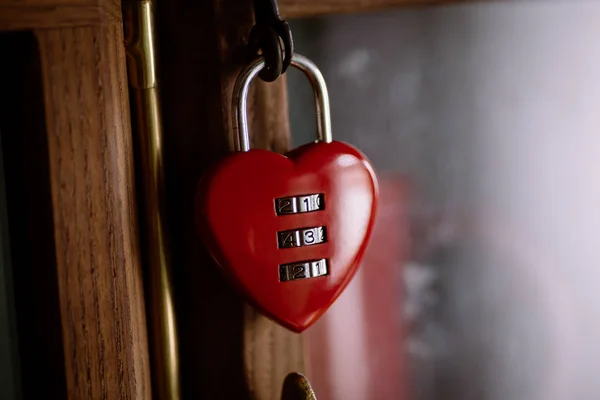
147 128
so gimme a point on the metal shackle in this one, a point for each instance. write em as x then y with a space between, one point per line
240 99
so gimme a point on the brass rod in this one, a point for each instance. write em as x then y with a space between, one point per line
147 130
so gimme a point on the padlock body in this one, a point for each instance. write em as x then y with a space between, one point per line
289 231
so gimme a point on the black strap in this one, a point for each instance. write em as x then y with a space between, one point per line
271 36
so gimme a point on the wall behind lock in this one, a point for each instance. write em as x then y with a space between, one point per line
488 112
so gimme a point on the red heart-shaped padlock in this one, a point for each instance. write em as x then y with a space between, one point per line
240 220
289 231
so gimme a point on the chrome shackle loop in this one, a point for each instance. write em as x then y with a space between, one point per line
239 115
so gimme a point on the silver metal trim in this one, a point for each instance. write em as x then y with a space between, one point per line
298 237
239 114
299 204
303 270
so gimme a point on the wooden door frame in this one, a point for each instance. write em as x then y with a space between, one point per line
92 216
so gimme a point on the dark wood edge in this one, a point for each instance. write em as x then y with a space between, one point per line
293 9
57 14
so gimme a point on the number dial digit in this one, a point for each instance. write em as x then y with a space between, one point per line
309 236
303 270
298 272
301 237
285 207
299 204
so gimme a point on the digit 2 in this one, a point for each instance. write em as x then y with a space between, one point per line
285 206
298 272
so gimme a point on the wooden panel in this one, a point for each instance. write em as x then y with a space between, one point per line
311 8
98 261
35 14
227 350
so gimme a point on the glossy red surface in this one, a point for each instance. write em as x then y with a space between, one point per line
363 334
236 217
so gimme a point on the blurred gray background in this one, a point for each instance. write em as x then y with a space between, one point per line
492 111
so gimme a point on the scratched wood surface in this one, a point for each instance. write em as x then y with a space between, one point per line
97 256
227 349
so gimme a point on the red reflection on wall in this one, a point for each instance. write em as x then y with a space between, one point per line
356 350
